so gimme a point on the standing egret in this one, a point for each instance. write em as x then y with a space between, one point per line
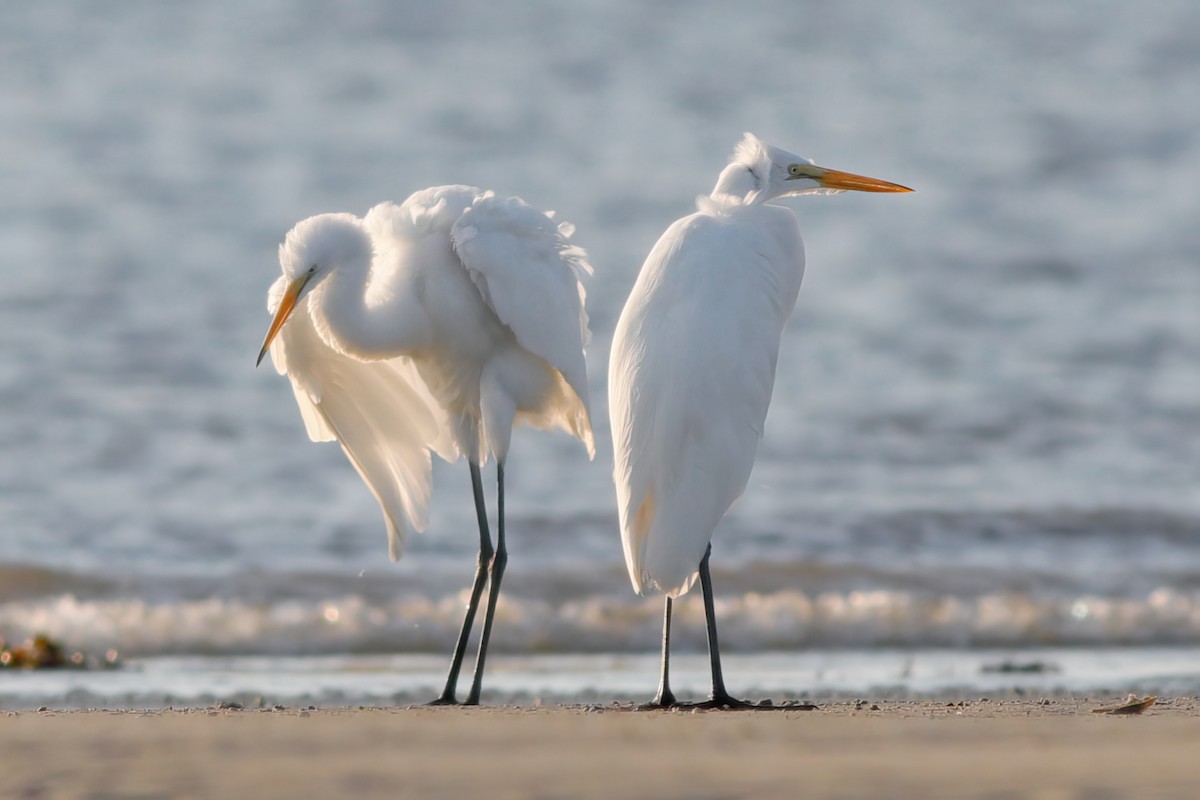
693 366
434 325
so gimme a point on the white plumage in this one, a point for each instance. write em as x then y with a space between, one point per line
435 325
690 380
693 366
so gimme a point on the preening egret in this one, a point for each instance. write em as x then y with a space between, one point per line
434 325
693 366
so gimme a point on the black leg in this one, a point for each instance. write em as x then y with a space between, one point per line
484 558
665 697
719 698
495 574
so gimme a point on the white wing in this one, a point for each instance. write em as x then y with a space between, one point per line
530 275
690 380
379 412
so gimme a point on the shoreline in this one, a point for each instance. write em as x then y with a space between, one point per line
391 680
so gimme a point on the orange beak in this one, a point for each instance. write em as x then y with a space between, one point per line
833 179
287 304
840 180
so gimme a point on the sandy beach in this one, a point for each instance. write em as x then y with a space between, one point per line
1029 748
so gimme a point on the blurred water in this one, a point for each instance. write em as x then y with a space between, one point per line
984 426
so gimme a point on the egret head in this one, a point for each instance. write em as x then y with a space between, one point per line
310 252
759 173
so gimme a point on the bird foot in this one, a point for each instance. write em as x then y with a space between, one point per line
656 705
722 702
661 702
725 702
444 700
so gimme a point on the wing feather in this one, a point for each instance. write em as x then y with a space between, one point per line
531 275
690 381
381 414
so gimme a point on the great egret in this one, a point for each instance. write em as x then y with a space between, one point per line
693 366
434 325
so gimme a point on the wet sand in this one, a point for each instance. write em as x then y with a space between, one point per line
886 749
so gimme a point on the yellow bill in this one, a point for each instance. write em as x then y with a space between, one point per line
287 304
834 179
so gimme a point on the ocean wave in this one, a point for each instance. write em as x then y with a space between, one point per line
749 622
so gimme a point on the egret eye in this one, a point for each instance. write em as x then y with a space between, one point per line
794 170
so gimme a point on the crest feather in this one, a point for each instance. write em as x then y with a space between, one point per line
752 152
